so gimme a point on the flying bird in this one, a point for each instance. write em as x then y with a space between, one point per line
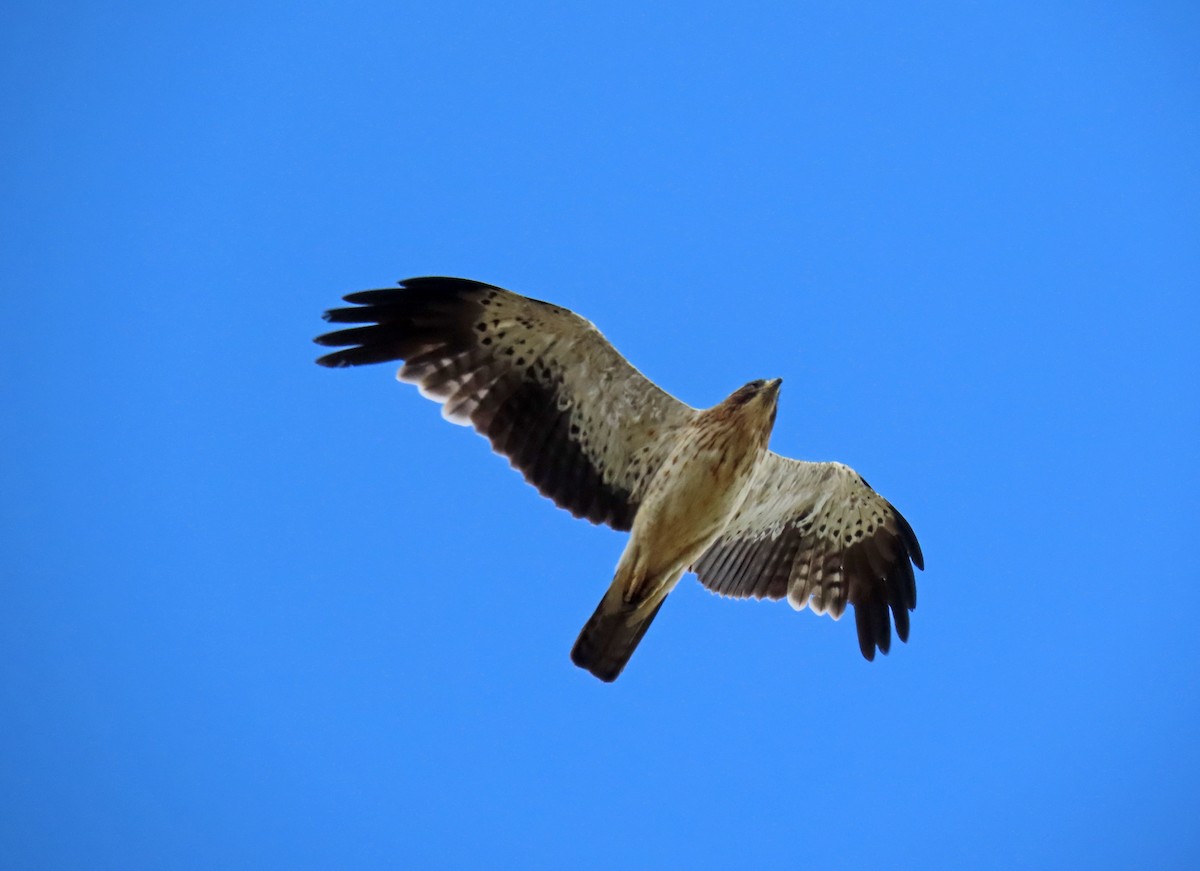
697 489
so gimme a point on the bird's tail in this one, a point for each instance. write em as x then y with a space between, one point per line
611 635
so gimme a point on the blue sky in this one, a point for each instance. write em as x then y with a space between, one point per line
261 614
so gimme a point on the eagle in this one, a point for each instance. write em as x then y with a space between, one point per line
697 489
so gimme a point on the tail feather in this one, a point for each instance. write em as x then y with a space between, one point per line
609 638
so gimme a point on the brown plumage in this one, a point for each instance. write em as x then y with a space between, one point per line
696 489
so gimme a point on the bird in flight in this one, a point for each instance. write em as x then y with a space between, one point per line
697 489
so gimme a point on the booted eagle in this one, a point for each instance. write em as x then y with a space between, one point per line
697 489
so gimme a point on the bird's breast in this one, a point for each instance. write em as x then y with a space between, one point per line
699 487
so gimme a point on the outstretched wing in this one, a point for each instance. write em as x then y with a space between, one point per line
819 535
540 382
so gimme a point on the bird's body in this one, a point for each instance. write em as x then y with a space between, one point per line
690 501
697 489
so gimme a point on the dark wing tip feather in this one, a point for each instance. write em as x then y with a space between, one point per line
888 586
397 319
866 636
900 618
910 539
874 625
336 360
881 623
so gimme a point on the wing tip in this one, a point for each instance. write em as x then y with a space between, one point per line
910 540
335 360
866 642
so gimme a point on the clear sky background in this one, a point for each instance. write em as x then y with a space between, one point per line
261 614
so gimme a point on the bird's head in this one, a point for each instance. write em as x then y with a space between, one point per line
766 392
758 397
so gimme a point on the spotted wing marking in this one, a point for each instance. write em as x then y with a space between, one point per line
541 383
817 534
